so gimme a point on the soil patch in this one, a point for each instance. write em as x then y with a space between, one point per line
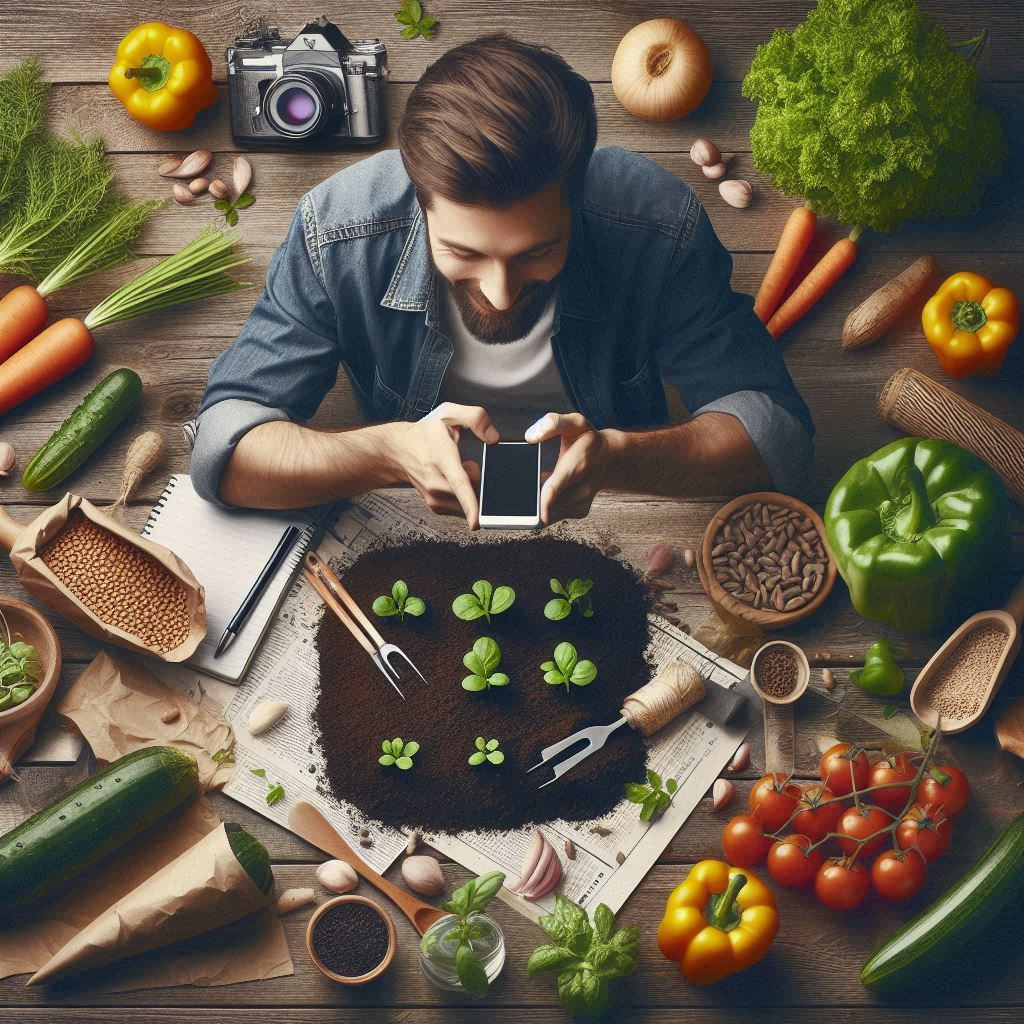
357 708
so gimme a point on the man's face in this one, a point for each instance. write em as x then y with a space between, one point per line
501 265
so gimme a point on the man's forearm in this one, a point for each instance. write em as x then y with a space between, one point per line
284 465
712 454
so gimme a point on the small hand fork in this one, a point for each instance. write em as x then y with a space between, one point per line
673 690
330 589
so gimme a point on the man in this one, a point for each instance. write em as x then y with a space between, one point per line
499 277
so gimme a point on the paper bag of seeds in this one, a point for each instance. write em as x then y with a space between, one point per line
203 889
110 582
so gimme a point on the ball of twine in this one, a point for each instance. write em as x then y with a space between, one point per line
676 687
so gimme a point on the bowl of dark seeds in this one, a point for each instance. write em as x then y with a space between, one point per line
351 940
764 559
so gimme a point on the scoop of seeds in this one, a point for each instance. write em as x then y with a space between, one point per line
777 671
958 688
122 585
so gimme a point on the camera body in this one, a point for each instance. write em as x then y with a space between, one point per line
318 89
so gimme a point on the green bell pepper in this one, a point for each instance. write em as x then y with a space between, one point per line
880 674
915 528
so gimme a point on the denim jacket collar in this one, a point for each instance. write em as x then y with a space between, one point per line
411 286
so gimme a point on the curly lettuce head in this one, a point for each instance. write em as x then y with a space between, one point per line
867 112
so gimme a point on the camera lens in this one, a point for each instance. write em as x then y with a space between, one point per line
302 103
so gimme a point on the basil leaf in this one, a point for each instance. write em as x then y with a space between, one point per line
557 588
604 922
565 658
636 793
467 607
244 201
478 757
556 609
484 591
415 606
485 889
584 673
653 779
548 959
471 974
488 653
496 757
503 600
411 748
400 591
498 679
384 606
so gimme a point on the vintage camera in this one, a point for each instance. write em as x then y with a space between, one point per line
317 89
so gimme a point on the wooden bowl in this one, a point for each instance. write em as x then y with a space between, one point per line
766 618
362 979
803 670
18 724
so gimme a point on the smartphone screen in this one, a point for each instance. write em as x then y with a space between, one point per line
510 485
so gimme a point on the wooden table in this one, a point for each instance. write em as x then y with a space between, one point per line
811 973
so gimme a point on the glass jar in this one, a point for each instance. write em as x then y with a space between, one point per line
438 947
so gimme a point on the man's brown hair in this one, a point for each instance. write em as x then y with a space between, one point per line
496 120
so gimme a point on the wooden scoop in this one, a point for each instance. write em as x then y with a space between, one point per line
309 824
1007 620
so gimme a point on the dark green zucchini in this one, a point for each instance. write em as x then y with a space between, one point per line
84 430
252 855
92 820
937 938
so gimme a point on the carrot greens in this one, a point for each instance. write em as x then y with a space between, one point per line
22 113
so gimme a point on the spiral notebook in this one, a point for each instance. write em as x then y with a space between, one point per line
226 550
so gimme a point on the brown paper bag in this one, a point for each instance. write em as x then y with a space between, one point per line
199 891
41 582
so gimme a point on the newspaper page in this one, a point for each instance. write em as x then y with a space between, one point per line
611 856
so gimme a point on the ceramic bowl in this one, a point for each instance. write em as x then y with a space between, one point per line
802 678
362 979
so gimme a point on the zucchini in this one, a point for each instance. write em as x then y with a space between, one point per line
252 855
84 430
935 940
92 820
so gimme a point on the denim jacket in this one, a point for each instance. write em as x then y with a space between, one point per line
644 297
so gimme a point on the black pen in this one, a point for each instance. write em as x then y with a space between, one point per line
284 545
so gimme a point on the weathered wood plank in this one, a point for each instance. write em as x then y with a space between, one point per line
586 36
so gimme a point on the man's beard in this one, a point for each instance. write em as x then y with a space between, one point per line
495 326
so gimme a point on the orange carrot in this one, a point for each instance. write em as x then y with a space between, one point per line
795 240
49 357
23 314
819 279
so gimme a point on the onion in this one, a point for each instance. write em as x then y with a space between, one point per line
661 70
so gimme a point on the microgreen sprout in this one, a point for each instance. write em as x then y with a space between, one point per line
275 791
400 603
485 601
653 798
575 593
486 751
481 662
567 668
411 16
398 753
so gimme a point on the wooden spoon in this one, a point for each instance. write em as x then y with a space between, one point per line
1007 620
309 824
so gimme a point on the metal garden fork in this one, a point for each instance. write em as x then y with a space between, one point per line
322 579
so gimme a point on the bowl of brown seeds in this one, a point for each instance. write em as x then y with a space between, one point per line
764 559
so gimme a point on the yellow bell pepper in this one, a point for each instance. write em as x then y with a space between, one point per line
163 76
718 921
971 325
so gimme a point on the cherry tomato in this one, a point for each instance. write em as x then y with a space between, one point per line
859 823
816 818
841 885
743 842
835 765
773 800
893 769
952 796
921 829
898 875
789 863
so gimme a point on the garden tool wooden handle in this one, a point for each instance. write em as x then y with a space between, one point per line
9 530
676 688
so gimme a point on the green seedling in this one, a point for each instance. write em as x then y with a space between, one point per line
411 16
398 753
481 662
567 668
484 601
576 593
400 603
230 207
653 798
275 791
486 751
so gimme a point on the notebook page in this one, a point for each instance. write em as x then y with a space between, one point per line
226 550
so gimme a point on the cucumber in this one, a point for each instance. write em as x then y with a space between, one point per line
252 855
937 938
84 430
92 820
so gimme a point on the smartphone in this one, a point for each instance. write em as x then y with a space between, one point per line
510 486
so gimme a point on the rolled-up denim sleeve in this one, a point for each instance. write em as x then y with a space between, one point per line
280 366
715 351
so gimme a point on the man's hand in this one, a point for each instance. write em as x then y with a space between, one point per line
580 472
427 452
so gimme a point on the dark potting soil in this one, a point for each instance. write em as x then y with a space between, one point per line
351 939
357 708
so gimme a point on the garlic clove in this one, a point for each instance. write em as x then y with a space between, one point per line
191 167
197 186
423 874
689 558
7 458
829 679
170 715
540 870
181 194
714 171
241 174
550 879
337 876
218 189
294 899
531 859
704 153
740 759
266 715
167 165
722 794
736 192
